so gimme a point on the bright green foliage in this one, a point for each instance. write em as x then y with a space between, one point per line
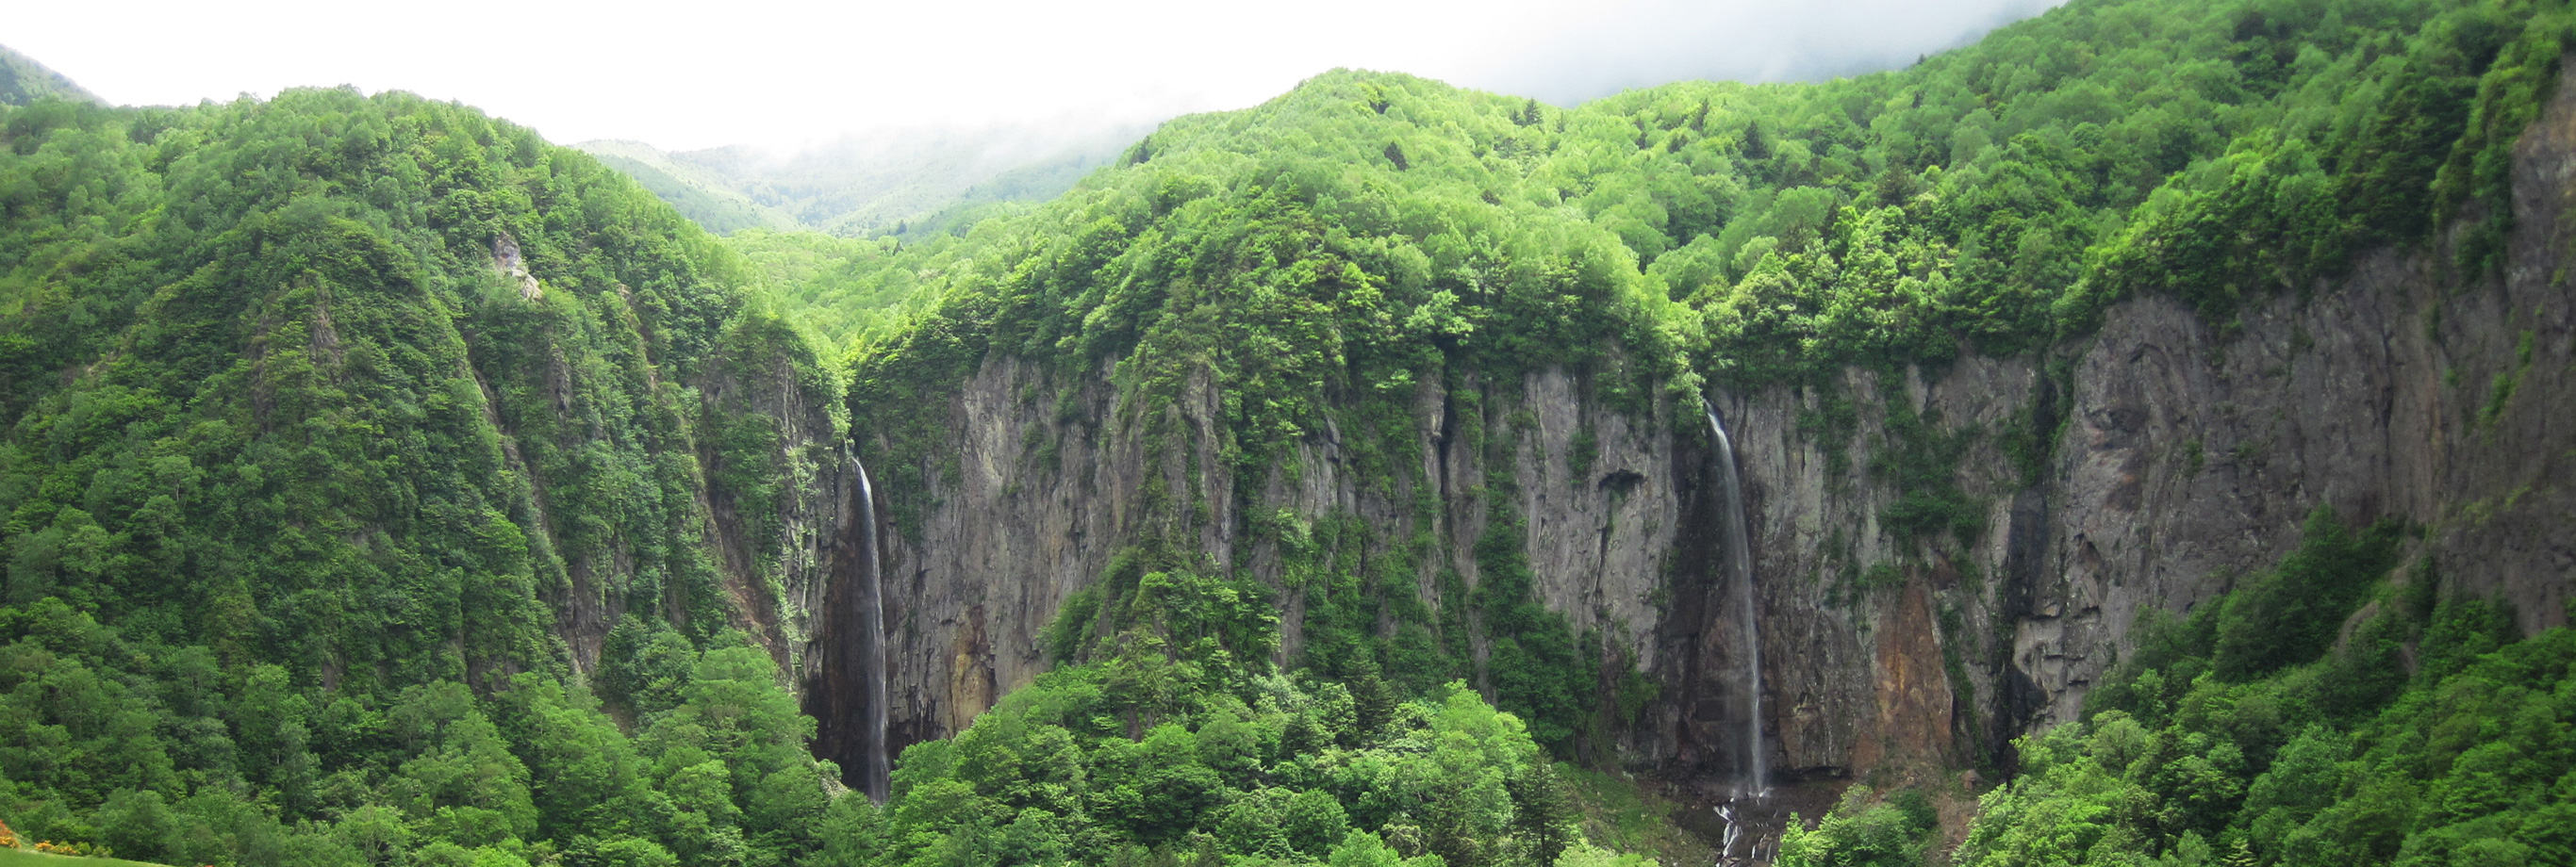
2347 759
842 287
267 391
1179 742
336 483
2376 143
1165 636
1077 769
2289 615
1860 832
23 80
301 488
1999 194
1320 266
165 757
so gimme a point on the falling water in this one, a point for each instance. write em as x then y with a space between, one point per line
1739 576
872 655
1746 829
1734 833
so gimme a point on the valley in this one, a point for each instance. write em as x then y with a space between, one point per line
2144 436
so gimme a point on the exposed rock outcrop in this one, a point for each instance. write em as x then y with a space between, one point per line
1040 499
2139 469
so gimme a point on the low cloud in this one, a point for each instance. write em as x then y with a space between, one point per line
1642 43
795 75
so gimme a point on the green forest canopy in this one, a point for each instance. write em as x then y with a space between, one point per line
272 597
1324 255
1997 195
298 485
300 478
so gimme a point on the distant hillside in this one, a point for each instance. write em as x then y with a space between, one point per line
694 192
23 80
910 183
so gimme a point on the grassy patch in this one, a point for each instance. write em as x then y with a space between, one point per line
24 858
1621 815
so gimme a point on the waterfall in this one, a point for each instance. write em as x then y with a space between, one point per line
1746 828
872 655
1739 578
1734 832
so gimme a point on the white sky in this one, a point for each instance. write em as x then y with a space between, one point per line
783 74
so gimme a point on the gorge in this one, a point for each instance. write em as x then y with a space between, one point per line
2145 435
2131 473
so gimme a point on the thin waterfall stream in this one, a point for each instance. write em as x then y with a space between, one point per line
1739 579
1754 789
872 653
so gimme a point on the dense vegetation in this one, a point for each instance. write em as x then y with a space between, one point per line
341 431
835 285
329 421
266 348
909 184
1999 194
174 754
1185 746
23 81
308 489
696 194
1326 258
2431 732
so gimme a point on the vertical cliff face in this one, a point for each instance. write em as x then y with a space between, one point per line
1945 558
2183 454
779 501
753 452
1865 625
743 449
1046 478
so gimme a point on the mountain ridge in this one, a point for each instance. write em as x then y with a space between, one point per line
23 80
911 184
2127 407
1266 322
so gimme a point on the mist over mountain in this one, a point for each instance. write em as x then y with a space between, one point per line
912 181
807 149
787 75
2144 436
898 182
710 199
1642 43
23 80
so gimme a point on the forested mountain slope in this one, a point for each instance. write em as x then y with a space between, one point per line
911 183
384 485
2018 344
696 193
383 333
348 438
2432 733
23 80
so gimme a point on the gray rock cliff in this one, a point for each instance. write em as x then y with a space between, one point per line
2140 469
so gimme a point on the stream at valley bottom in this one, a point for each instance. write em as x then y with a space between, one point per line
1758 822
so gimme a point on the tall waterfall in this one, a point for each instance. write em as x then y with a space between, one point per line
872 654
1739 579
